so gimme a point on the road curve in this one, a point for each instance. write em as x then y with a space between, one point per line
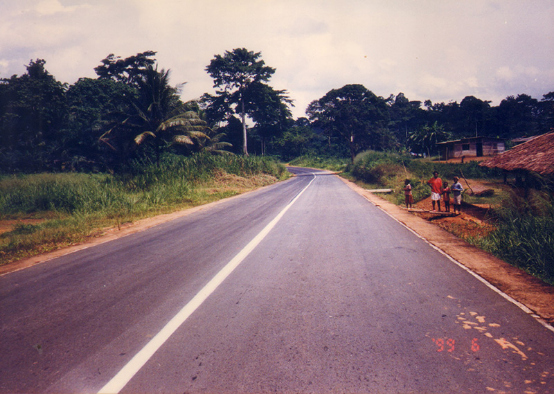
337 297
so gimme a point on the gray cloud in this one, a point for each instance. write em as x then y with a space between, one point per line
440 50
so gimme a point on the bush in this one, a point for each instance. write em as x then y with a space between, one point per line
524 235
380 168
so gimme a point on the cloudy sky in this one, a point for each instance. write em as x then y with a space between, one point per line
442 50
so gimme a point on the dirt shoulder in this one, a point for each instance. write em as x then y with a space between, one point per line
529 291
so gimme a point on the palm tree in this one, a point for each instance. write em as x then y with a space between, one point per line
213 143
427 137
157 116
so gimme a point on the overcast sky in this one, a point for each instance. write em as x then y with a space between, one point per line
442 50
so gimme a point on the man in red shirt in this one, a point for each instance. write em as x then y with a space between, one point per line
436 185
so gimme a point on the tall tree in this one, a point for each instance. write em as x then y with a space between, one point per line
354 113
546 115
90 101
234 73
475 116
232 129
297 140
269 109
130 70
405 116
33 110
518 116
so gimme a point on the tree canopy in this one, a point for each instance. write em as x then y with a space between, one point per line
131 111
354 113
33 111
240 77
130 70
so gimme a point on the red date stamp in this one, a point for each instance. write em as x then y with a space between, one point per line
449 344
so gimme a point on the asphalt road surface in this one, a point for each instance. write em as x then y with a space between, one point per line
303 286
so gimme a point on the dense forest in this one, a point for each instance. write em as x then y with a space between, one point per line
131 111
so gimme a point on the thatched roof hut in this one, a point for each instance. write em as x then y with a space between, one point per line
536 155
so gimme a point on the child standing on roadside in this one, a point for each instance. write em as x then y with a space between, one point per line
446 196
457 190
408 194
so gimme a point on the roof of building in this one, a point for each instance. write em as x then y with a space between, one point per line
521 140
535 155
470 139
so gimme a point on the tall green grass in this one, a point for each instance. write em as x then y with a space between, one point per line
76 205
524 235
145 182
63 193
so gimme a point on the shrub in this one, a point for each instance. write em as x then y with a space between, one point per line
379 167
524 235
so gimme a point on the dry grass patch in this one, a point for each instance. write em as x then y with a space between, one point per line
225 183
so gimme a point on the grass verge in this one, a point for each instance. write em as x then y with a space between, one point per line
51 211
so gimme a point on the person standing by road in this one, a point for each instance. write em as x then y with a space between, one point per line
457 190
436 186
409 198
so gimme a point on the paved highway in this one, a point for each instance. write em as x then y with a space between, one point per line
303 286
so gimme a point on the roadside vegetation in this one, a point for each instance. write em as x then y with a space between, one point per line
331 163
518 229
390 170
524 234
56 210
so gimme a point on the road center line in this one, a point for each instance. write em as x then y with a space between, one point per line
116 384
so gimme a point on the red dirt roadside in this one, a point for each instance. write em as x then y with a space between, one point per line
529 291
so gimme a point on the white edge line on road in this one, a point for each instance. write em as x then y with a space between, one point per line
481 279
116 384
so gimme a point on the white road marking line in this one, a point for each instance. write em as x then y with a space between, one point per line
477 276
116 384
